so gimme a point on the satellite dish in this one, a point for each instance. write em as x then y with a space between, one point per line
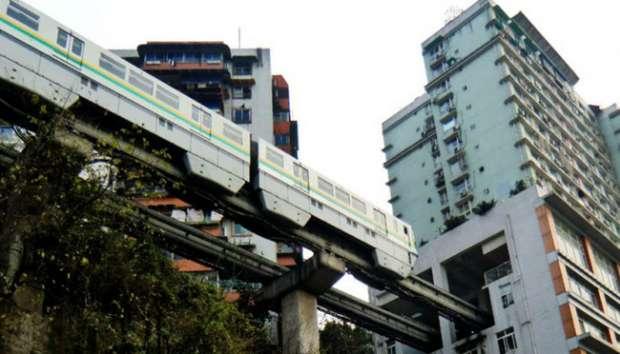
452 12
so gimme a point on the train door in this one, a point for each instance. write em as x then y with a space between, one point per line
380 220
301 177
73 47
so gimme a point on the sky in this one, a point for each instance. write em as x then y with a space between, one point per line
350 64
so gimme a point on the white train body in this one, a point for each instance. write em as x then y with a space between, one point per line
297 193
60 65
49 59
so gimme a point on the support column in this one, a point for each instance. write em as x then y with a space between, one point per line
300 328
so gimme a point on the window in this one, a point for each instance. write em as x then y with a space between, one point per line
300 172
167 97
606 270
446 106
212 58
281 116
462 187
570 242
614 310
506 341
326 186
282 139
143 84
242 92
275 157
343 196
358 204
78 47
242 69
23 15
233 134
63 38
449 124
112 66
379 218
583 291
457 167
453 145
242 115
201 117
589 326
443 197
505 291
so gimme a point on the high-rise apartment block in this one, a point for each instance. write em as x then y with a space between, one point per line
501 121
238 84
500 112
549 278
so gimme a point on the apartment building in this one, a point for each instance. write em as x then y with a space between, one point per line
238 84
547 275
500 113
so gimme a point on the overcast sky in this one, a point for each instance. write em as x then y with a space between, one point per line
349 64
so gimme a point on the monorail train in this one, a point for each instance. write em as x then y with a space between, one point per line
48 58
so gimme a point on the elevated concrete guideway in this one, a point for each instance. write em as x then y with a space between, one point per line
95 124
227 258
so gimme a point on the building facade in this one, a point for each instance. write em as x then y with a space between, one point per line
500 113
238 84
549 278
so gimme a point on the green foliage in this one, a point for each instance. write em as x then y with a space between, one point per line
107 287
453 222
343 338
520 186
483 207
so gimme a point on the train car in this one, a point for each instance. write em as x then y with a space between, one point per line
62 66
295 192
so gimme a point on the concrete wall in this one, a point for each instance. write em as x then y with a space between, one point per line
535 314
261 102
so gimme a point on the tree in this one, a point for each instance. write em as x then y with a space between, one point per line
520 186
454 222
96 276
343 338
483 207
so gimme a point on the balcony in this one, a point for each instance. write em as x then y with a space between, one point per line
498 272
452 133
464 196
455 152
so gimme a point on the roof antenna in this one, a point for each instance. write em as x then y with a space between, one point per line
239 36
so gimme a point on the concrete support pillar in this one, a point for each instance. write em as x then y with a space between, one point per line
299 321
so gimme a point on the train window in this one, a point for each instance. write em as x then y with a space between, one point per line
162 122
168 97
141 83
170 126
300 172
112 66
78 47
405 230
326 186
358 204
201 117
379 217
63 38
23 15
275 157
233 134
343 196
196 114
